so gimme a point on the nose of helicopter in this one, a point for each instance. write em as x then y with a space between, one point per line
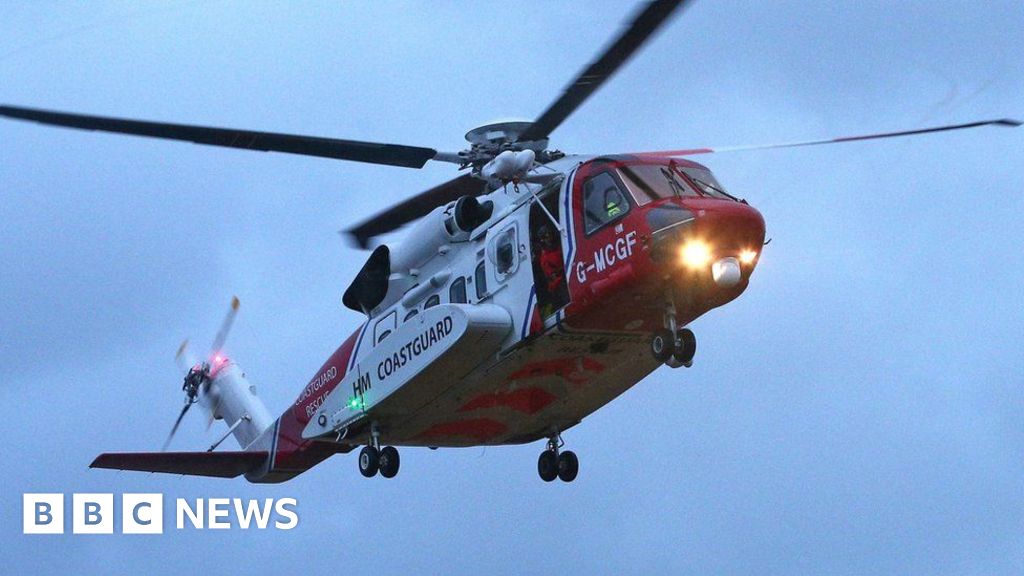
710 242
726 237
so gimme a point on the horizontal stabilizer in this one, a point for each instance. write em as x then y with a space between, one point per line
219 464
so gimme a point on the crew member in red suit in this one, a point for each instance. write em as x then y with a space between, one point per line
553 269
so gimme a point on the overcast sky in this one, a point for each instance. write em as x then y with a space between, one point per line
856 411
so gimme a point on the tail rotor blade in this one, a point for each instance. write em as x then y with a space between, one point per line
184 358
225 327
213 411
177 423
213 416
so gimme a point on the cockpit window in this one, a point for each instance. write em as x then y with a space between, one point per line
649 182
707 184
603 201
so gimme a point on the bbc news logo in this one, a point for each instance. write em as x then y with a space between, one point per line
144 513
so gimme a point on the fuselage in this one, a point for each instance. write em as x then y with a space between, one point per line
584 265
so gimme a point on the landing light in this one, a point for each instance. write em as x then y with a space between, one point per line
696 254
747 256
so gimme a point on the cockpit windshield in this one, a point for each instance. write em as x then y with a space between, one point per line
649 182
707 184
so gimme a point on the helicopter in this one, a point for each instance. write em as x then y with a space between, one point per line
529 291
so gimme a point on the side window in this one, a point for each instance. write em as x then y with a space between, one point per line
480 279
505 253
432 301
410 314
457 292
384 327
603 201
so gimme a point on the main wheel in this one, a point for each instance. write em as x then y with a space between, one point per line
389 461
568 466
369 461
547 465
685 347
662 345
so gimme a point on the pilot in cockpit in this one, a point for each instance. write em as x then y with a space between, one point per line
613 202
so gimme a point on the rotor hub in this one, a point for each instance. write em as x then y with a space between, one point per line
489 141
197 377
497 133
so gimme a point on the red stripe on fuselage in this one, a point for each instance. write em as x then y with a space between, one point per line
525 400
293 451
575 369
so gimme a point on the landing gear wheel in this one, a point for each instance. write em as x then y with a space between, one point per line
685 347
369 461
388 461
547 465
662 344
568 466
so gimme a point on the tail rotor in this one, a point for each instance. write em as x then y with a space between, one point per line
200 374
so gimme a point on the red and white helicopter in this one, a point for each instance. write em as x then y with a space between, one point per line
534 289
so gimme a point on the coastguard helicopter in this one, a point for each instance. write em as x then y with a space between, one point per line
532 290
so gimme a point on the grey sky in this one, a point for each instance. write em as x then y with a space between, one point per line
856 411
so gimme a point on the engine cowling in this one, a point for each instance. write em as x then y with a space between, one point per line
466 215
393 269
445 224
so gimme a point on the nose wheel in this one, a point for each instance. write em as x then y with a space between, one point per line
662 345
685 347
554 463
672 345
677 350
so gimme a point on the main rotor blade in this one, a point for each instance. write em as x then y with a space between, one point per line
1007 122
413 208
225 328
640 29
177 423
371 152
